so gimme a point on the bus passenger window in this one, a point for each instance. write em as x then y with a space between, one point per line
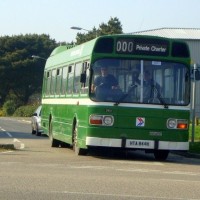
53 82
70 80
77 74
58 81
85 71
64 80
48 83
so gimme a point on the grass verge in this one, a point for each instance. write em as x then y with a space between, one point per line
195 146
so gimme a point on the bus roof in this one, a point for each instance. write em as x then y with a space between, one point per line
65 54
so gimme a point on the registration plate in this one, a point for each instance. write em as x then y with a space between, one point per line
143 144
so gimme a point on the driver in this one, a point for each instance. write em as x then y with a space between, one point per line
104 83
105 80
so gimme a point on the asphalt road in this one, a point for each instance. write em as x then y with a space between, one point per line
37 171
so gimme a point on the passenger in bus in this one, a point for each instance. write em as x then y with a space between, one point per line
104 83
135 78
134 88
151 89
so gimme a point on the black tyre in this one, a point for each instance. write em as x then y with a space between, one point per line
53 142
161 155
78 151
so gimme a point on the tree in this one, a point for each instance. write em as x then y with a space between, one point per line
112 27
20 74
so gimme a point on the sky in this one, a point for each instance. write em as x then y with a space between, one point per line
55 17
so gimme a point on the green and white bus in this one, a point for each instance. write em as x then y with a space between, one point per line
74 114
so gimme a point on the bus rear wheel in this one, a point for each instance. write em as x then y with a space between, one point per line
53 142
161 155
78 151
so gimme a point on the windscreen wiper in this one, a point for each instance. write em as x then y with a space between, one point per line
125 95
160 98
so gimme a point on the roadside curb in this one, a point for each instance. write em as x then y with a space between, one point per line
7 146
187 154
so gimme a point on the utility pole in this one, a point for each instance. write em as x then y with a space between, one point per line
193 102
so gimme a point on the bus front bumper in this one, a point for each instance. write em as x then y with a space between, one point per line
137 144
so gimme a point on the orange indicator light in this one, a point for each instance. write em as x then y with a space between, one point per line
182 126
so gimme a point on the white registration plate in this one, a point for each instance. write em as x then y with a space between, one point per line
143 144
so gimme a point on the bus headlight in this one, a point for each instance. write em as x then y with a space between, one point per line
102 120
171 123
177 123
108 120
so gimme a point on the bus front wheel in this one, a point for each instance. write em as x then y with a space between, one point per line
53 142
78 151
161 155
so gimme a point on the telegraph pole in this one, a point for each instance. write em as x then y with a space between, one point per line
193 102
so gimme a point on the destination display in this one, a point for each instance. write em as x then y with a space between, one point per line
140 46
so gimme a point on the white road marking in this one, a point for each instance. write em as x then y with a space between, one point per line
180 180
139 170
6 152
22 145
140 163
121 195
160 171
9 134
91 167
26 121
183 173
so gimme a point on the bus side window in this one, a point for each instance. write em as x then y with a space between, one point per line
53 82
64 80
87 73
70 79
84 79
48 83
58 80
77 74
44 87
